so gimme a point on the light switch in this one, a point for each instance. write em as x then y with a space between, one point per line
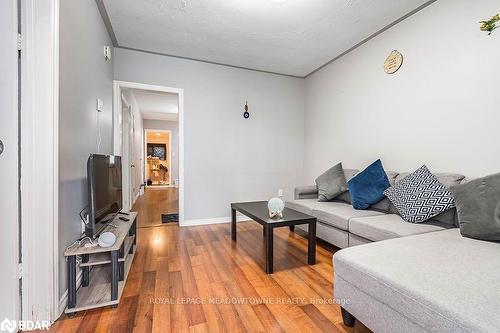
99 105
107 53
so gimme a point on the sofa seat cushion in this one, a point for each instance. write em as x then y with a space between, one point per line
338 214
439 280
382 227
302 205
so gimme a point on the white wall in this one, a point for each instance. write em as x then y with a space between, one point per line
228 158
173 127
441 108
84 76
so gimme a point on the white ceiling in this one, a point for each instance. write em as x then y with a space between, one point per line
157 105
292 37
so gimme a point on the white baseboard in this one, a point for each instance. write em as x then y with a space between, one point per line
159 187
215 220
63 302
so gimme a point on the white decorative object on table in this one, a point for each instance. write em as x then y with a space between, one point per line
107 239
275 206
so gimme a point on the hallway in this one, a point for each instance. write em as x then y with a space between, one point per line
154 202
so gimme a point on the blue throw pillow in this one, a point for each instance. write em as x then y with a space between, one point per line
368 186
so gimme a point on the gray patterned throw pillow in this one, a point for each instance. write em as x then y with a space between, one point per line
420 196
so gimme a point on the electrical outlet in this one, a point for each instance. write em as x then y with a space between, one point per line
280 192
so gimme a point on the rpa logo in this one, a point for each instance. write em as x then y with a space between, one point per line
11 326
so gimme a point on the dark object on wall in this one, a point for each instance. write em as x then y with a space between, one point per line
149 182
157 150
246 114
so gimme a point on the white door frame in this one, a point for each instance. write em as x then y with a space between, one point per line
169 152
126 158
40 159
117 123
9 162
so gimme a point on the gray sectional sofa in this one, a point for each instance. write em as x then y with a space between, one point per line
343 226
407 277
433 282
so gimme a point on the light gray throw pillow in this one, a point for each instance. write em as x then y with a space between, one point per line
478 207
331 183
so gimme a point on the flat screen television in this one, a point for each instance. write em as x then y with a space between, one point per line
104 178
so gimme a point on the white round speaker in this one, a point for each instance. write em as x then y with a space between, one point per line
107 239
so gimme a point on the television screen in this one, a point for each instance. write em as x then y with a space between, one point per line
104 174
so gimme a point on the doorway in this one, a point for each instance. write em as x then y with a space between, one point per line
128 154
158 167
149 136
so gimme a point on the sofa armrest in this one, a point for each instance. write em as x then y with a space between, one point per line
306 192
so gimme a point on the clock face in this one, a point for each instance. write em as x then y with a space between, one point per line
246 115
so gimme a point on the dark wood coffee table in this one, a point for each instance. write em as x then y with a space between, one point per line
258 212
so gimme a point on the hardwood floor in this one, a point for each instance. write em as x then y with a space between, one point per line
195 279
153 203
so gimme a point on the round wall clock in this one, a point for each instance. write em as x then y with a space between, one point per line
393 62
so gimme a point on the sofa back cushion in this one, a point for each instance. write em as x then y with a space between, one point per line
346 197
448 217
384 204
